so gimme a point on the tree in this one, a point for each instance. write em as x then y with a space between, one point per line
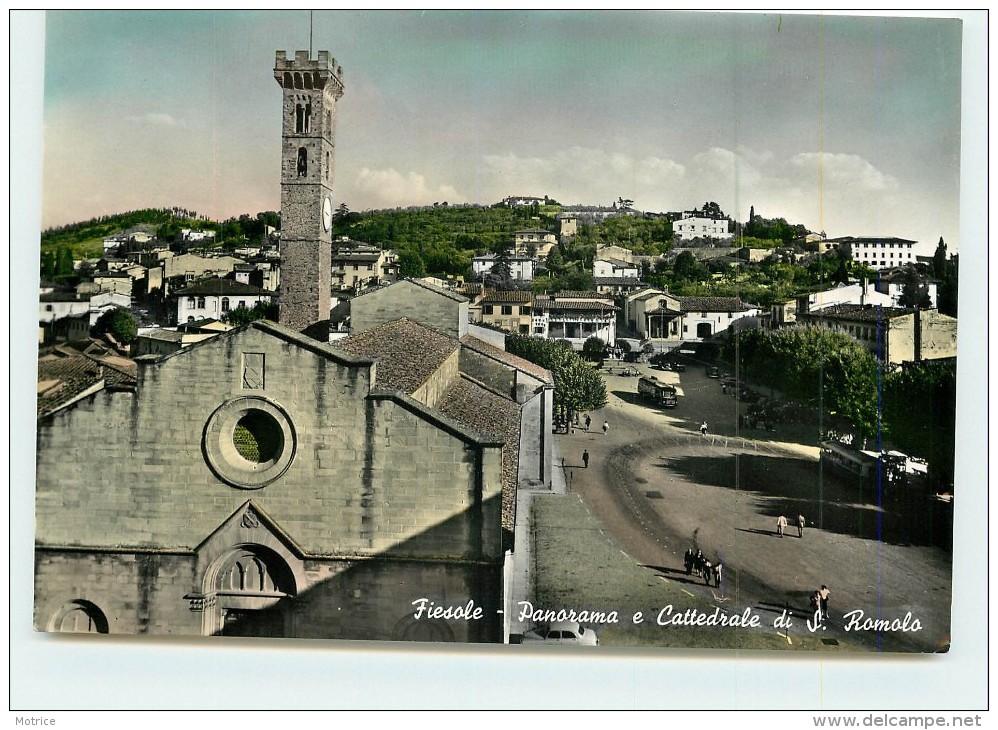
815 366
64 262
117 322
501 274
939 260
243 315
914 291
594 349
577 386
411 264
920 415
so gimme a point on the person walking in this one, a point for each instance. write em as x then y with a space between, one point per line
781 525
800 525
589 420
606 427
703 428
585 459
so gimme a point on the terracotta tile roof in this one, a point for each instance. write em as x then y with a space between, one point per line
469 402
568 294
422 284
222 287
857 313
712 304
585 305
619 281
513 296
65 374
514 361
406 351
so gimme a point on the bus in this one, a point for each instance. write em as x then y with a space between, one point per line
659 393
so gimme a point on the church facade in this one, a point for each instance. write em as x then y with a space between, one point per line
267 483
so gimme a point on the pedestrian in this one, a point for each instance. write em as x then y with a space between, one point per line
575 418
703 428
707 572
717 574
585 459
800 525
606 427
724 388
781 525
588 421
688 561
823 597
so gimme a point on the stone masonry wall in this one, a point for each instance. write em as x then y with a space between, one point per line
405 299
360 600
122 469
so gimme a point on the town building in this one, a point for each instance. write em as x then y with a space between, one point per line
508 310
613 268
695 225
522 201
875 252
654 314
705 317
357 266
575 317
214 298
521 268
667 319
533 242
891 334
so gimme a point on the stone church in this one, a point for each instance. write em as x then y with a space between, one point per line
267 483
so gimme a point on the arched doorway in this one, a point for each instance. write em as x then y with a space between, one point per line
250 589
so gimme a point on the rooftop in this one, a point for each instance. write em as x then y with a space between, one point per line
406 351
859 312
222 287
515 296
514 361
712 304
472 404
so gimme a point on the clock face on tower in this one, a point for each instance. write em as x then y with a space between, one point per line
327 213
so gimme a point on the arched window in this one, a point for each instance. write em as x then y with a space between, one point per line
302 162
327 166
308 118
225 304
200 302
299 119
80 617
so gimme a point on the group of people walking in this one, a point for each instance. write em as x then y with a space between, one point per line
782 523
819 602
697 562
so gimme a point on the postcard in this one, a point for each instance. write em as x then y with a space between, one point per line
610 330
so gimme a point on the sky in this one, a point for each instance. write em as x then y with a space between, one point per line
849 125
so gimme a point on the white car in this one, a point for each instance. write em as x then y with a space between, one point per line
562 632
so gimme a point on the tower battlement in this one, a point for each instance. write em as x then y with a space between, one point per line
303 72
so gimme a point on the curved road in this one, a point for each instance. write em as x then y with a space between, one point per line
659 488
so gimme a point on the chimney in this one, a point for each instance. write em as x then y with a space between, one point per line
862 291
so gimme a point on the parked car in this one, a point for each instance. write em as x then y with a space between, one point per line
713 371
561 632
678 367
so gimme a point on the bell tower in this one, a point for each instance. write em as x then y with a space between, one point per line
308 130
